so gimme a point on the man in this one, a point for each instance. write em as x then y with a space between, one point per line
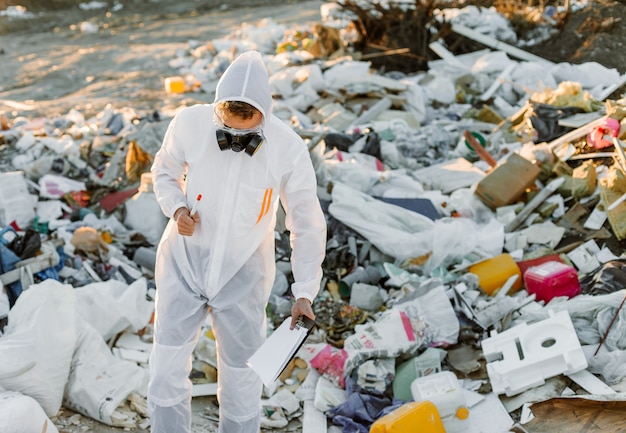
240 159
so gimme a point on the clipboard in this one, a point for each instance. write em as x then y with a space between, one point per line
281 346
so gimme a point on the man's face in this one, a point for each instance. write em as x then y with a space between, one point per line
235 122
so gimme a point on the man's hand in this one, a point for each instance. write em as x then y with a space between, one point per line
185 222
302 307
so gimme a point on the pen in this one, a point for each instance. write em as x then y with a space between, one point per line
194 209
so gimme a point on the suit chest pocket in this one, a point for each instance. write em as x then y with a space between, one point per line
254 205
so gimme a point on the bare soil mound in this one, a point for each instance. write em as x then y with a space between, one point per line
596 33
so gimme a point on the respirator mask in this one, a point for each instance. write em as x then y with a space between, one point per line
238 140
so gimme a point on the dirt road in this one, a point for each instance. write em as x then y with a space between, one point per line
50 66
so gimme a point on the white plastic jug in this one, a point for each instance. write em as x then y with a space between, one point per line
444 390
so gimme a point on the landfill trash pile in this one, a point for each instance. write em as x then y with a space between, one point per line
474 275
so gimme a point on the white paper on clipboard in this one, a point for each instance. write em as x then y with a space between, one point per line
279 348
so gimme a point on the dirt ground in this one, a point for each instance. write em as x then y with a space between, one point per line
596 33
48 66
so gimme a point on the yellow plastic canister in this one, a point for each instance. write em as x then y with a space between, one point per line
494 272
175 85
409 418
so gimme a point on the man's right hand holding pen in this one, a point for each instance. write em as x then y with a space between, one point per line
186 220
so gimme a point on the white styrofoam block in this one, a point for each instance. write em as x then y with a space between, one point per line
524 356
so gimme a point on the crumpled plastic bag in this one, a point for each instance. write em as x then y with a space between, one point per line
435 310
279 409
99 382
361 409
454 238
26 245
395 332
396 231
545 120
37 347
113 306
330 363
327 395
376 374
608 278
610 364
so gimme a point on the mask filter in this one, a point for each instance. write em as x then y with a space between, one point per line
249 143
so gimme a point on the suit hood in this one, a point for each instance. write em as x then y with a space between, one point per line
246 79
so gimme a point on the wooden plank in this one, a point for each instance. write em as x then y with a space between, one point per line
532 205
439 49
607 92
497 82
372 113
498 45
575 134
479 149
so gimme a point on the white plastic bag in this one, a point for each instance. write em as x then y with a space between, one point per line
113 306
395 231
434 308
36 349
392 334
20 413
99 382
454 238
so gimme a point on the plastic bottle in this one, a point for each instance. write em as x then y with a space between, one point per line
409 418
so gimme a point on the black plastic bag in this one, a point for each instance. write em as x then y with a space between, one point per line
26 245
545 120
343 142
339 141
605 279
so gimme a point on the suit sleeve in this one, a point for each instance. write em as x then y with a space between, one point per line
306 223
168 170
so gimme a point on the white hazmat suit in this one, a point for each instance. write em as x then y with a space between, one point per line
228 264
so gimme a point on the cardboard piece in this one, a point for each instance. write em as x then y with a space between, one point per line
578 415
507 182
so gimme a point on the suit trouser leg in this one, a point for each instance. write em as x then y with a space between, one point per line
179 315
239 330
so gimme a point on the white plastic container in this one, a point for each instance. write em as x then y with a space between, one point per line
143 213
444 391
